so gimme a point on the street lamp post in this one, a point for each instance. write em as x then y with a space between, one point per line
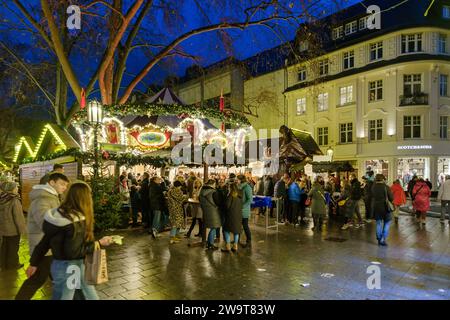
95 118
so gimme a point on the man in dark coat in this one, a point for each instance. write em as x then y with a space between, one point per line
210 201
144 192
157 204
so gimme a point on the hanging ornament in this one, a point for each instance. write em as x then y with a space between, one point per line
83 99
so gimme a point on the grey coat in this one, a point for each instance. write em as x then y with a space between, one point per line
233 214
318 205
209 201
43 198
12 221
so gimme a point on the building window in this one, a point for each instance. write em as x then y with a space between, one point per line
412 84
376 130
443 127
443 85
323 67
376 51
446 12
351 27
301 106
338 32
346 132
363 23
346 95
375 90
322 102
322 136
302 75
349 59
411 127
442 43
411 43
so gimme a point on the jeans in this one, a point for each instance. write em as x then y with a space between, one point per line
383 229
445 205
66 280
174 232
279 203
248 234
211 236
228 237
9 257
36 281
156 224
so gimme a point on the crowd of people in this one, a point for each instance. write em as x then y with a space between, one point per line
60 231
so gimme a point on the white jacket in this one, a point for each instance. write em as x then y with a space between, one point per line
444 191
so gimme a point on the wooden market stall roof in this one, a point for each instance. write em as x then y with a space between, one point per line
52 139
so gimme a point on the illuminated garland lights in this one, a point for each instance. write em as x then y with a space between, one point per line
148 109
33 153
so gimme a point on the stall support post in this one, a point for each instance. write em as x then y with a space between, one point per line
205 172
96 162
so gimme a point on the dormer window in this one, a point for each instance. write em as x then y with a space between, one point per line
363 23
351 27
446 12
338 32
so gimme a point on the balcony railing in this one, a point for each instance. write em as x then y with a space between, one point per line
414 100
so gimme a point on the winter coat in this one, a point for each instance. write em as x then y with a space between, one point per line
144 192
196 208
209 201
368 191
156 197
318 204
12 221
380 210
355 191
345 210
294 192
43 198
175 200
247 199
135 198
268 187
66 238
259 187
421 194
280 189
444 191
233 215
399 194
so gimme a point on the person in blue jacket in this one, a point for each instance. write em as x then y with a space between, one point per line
294 196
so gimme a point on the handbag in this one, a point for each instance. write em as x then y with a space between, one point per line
96 271
389 204
342 202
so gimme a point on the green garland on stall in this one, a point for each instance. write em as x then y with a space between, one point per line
228 117
88 157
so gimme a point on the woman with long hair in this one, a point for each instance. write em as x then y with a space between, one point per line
196 209
175 199
69 233
233 217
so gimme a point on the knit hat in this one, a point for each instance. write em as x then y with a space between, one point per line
9 186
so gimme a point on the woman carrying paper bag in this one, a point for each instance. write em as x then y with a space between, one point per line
69 233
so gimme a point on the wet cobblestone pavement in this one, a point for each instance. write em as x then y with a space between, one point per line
415 265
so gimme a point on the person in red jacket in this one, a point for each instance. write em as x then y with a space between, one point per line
399 198
421 199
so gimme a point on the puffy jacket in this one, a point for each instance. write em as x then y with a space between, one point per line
209 201
294 192
399 194
12 221
421 194
65 237
444 191
43 198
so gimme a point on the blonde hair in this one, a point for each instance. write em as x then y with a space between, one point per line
79 201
